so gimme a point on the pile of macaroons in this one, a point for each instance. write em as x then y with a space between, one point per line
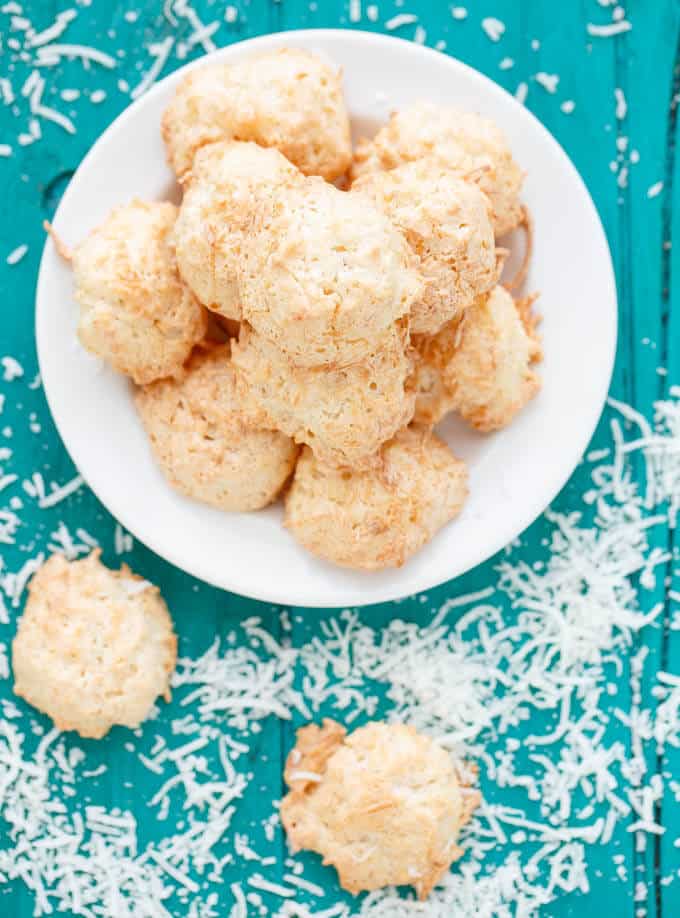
308 313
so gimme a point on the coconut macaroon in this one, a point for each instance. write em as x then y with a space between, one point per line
447 223
470 145
344 414
94 647
135 312
206 445
481 366
226 183
380 517
325 274
432 380
288 99
384 805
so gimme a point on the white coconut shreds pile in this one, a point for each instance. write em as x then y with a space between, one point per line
536 677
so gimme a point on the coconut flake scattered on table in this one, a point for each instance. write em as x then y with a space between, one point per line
16 255
493 28
609 30
554 635
401 19
549 81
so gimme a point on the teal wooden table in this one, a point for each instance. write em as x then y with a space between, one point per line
606 82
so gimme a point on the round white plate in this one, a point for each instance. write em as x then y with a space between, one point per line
514 474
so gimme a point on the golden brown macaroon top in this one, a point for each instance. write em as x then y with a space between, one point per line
467 143
207 444
94 647
289 99
447 223
325 274
227 183
378 517
135 312
383 805
344 414
482 366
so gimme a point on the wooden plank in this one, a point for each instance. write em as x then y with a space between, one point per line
667 852
648 55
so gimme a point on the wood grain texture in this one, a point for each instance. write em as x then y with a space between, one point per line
645 65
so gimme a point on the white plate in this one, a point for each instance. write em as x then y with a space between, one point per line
514 474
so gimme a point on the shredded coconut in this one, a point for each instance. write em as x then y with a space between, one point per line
549 81
16 255
609 30
401 19
11 368
621 104
494 28
522 92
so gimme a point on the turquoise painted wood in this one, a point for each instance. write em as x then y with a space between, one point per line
550 37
